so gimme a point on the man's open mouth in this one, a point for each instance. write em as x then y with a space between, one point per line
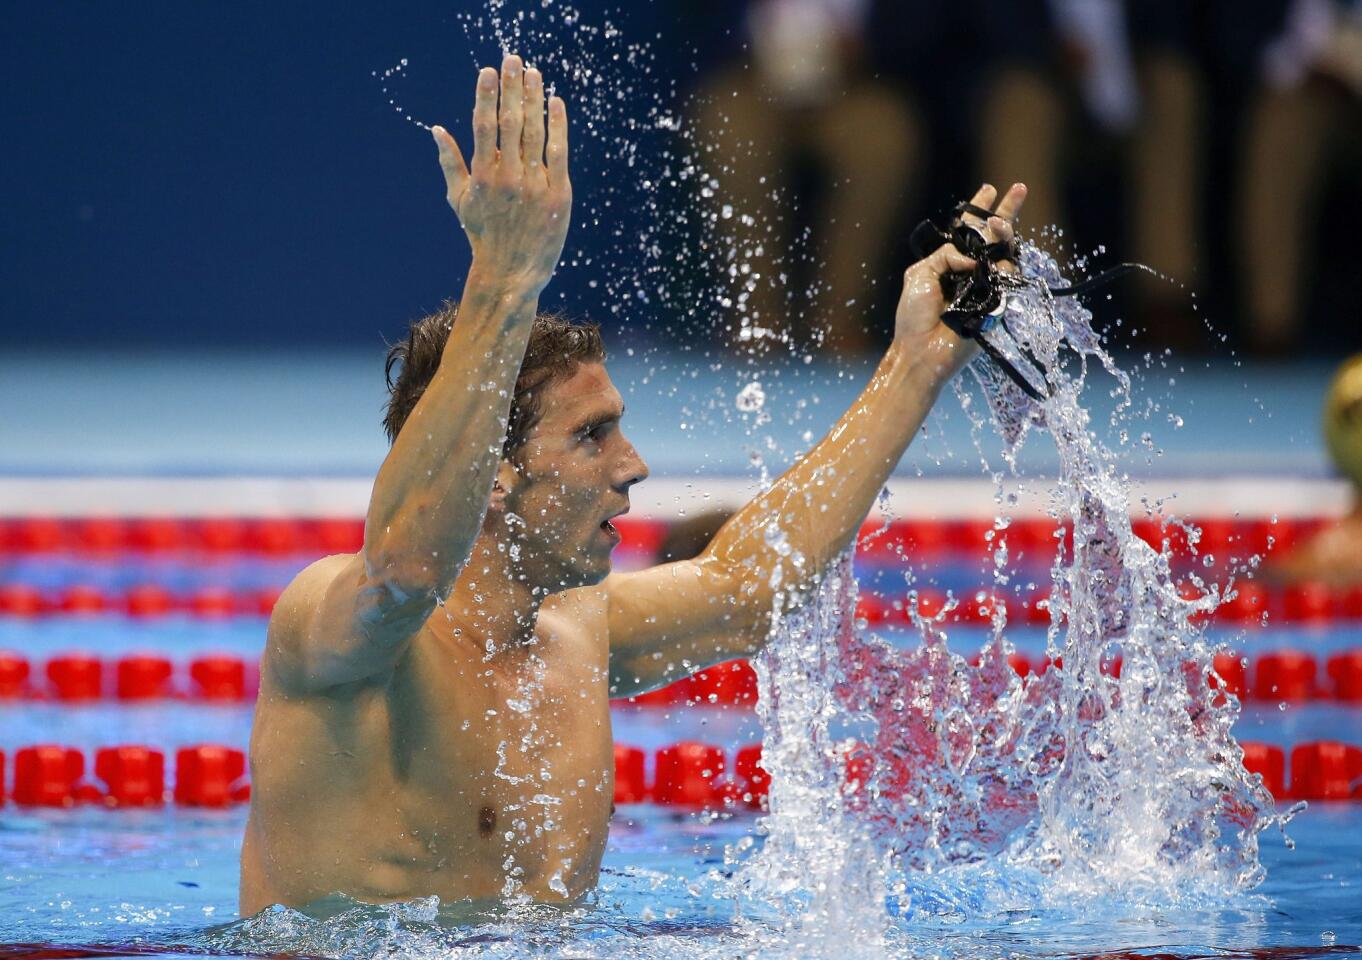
608 524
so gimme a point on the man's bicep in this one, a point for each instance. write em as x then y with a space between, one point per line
671 620
334 625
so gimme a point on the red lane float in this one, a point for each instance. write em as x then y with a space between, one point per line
148 600
630 780
1326 770
143 677
1277 676
688 774
79 678
76 677
1285 675
752 779
1220 536
219 678
49 776
14 671
1269 762
209 775
134 776
732 683
1308 605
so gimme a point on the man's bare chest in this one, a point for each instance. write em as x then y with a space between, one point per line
511 769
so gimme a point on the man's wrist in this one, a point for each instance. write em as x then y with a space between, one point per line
492 285
932 359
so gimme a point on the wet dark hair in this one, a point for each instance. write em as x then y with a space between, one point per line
555 349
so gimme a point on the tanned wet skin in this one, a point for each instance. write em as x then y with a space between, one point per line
434 710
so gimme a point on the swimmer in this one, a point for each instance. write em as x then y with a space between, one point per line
434 711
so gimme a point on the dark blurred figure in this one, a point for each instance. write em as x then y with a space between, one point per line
794 92
1146 50
687 538
984 75
1303 132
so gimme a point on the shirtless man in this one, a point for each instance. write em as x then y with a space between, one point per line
434 710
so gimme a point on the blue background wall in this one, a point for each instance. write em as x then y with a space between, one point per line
209 174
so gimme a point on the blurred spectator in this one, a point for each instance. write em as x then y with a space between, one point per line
1194 136
798 93
688 538
983 75
1306 116
1135 68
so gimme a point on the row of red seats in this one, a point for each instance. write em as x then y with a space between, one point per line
79 677
1280 675
1220 536
206 775
1304 603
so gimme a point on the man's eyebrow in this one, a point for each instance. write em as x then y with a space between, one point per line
598 419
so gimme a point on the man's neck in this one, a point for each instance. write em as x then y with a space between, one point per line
492 606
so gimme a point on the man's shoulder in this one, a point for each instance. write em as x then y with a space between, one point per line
579 604
580 613
305 591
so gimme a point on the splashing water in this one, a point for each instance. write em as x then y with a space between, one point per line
1113 775
905 784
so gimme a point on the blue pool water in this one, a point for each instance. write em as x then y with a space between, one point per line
167 879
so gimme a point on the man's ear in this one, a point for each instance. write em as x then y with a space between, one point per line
503 486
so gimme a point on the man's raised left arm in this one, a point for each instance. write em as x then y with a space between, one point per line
668 621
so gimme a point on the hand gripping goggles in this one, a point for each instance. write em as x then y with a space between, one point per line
978 299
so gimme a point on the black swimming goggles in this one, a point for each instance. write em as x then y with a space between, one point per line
978 298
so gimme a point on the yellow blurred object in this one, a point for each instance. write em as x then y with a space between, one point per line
1343 420
1333 556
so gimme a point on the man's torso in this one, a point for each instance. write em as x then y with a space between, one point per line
461 776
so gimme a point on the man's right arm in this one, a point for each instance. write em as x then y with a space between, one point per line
347 619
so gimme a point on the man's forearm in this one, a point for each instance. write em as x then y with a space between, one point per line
819 503
432 491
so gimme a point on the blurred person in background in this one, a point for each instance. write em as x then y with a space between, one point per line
794 92
1304 131
1333 554
1135 70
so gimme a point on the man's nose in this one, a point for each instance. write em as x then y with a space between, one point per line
633 470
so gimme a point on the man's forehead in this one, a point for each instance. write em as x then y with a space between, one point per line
587 390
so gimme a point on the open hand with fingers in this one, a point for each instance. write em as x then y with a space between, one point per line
516 200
